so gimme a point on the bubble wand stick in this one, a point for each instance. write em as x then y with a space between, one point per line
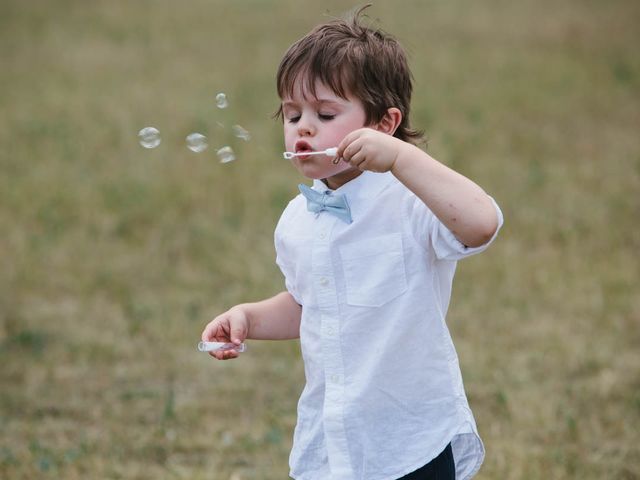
220 346
330 152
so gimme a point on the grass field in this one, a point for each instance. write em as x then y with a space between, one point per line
114 257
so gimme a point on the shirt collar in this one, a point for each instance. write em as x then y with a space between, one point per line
358 191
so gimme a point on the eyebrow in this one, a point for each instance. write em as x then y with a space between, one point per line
319 101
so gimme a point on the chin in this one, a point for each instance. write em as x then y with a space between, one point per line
313 173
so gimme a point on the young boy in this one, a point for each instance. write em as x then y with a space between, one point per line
368 255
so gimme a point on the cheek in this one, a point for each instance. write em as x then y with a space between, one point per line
347 128
288 136
333 137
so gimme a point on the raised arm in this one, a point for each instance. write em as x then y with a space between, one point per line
459 203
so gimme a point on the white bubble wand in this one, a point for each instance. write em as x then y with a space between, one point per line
330 152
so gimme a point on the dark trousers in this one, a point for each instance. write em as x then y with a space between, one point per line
440 468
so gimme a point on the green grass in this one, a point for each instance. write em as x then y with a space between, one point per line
114 257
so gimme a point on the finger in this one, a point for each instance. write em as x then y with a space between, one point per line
347 141
218 355
238 334
207 333
211 329
227 354
214 332
352 150
358 160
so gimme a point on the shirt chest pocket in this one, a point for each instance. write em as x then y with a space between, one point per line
374 270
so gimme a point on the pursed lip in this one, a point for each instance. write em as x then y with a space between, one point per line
302 146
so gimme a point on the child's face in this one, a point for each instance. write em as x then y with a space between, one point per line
317 123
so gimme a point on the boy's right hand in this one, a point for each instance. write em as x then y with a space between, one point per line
231 327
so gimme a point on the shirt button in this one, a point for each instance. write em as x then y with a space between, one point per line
335 378
330 331
322 235
324 282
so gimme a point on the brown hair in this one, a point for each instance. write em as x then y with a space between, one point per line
351 58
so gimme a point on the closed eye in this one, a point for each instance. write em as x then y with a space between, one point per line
326 117
293 119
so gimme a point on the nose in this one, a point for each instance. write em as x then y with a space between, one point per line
306 126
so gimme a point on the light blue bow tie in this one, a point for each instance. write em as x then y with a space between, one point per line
333 203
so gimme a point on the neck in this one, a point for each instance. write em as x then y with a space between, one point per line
336 181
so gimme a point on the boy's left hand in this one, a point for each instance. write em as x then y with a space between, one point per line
368 149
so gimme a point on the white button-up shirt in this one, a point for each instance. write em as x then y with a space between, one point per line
384 393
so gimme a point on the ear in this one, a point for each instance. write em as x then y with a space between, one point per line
390 121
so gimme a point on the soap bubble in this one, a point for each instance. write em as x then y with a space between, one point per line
226 155
149 137
196 142
221 100
240 132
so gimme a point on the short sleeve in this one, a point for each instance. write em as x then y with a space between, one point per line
444 243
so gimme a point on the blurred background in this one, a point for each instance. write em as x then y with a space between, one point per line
114 257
